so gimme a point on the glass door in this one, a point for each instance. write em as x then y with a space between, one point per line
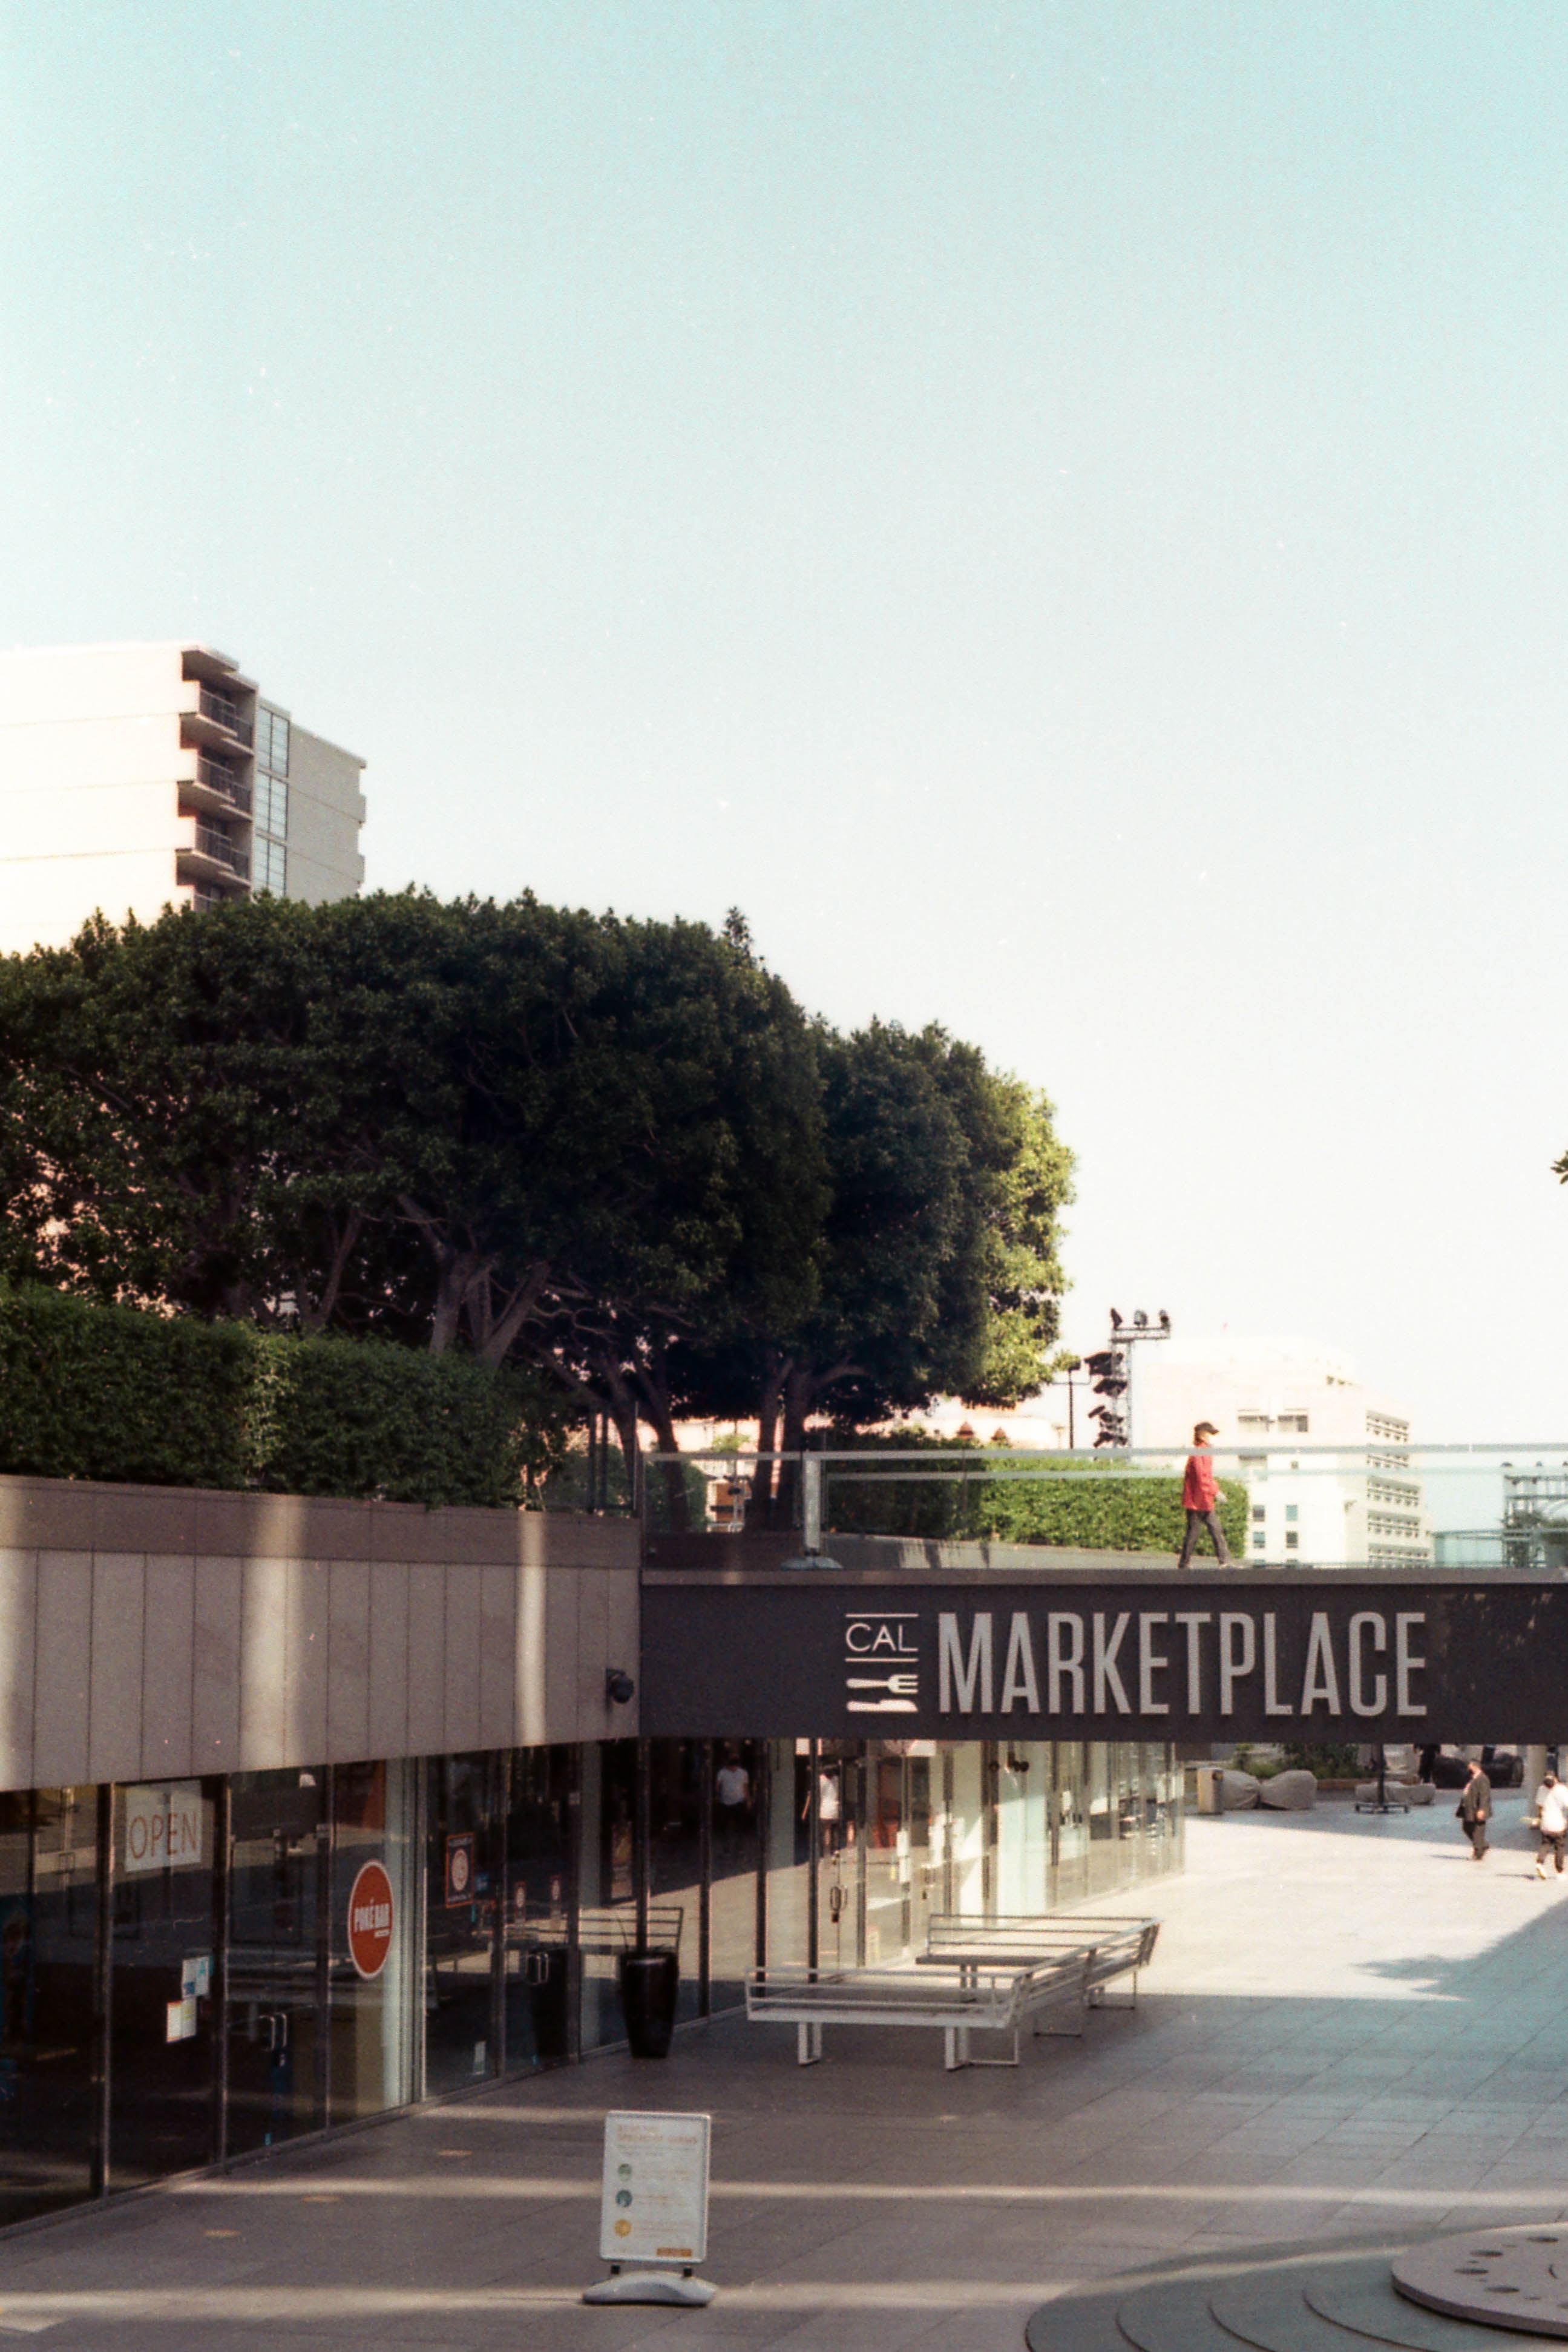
536 1899
277 1882
161 1996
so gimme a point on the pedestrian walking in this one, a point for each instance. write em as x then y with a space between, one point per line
1551 1820
1474 1810
1198 1499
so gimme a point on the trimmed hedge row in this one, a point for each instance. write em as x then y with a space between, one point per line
1121 1511
1103 1509
109 1392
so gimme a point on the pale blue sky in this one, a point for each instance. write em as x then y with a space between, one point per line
1057 510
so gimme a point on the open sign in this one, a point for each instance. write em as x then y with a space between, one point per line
163 1826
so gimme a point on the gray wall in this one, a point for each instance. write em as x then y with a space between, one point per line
149 1632
326 810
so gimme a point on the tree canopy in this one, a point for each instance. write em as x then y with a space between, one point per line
618 1151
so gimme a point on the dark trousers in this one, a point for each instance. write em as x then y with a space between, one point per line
1551 1842
1476 1831
1209 1520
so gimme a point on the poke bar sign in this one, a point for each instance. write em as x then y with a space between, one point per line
1186 1658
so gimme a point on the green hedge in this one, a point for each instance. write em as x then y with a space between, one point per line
109 1392
1120 1511
1102 1506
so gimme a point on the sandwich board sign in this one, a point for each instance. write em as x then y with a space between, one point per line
653 2214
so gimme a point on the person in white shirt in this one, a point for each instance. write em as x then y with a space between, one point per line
732 1787
1552 1819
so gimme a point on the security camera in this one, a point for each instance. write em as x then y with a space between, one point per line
619 1685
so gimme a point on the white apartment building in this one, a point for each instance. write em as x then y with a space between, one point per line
1276 1402
135 777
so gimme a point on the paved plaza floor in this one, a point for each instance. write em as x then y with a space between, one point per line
1351 2031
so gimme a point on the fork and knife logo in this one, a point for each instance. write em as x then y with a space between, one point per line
877 1642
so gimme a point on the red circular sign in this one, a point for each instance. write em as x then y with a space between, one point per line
370 1920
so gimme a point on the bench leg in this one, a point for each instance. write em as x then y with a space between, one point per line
1013 2061
1075 2031
808 2043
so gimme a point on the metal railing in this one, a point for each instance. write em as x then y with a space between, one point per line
218 846
219 778
225 713
1473 1507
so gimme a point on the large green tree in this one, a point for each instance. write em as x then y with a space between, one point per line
939 1265
458 1123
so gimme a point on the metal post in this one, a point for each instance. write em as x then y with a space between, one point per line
814 1852
222 1841
704 1879
642 1839
103 1990
764 1777
810 1503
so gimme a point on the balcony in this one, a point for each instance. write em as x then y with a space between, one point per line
216 723
212 857
218 789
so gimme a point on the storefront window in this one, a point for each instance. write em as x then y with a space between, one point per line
607 1919
278 1880
839 1906
538 1898
789 1855
461 1871
737 1795
166 1939
375 1931
676 1770
1023 1825
48 1915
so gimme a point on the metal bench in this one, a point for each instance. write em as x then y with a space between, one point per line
958 2000
1107 1948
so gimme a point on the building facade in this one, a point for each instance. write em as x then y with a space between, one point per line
309 1809
136 777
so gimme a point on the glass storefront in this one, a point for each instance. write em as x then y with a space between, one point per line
166 1931
48 1999
196 1970
277 1890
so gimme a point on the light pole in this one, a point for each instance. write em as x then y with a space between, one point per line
1113 1371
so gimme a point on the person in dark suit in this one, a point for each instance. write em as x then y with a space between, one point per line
1474 1810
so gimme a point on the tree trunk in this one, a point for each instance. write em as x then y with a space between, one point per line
800 1390
761 1511
661 1420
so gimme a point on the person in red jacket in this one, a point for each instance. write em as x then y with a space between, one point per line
1199 1497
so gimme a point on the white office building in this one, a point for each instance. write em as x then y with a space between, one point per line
1325 1457
135 777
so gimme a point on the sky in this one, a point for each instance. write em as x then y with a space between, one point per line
1055 511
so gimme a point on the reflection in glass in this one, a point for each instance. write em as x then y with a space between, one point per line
371 2016
607 1883
460 1875
675 1857
732 1904
48 1909
276 1883
162 2004
538 1899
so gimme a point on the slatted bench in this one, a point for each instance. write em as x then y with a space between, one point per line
957 2000
1108 1949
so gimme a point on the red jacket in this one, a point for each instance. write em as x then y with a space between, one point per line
1197 1486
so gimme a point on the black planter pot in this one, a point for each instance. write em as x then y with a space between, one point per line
648 1983
547 2002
